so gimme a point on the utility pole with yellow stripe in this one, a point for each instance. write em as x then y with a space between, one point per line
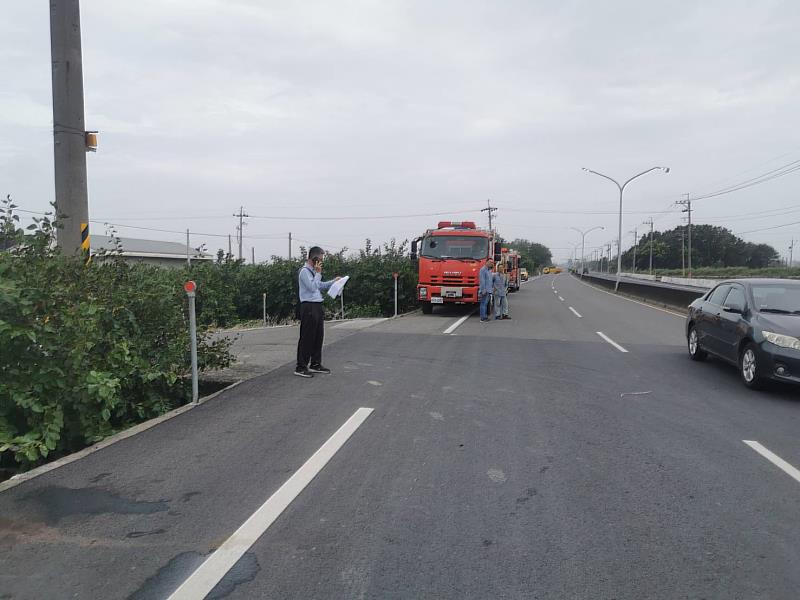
70 139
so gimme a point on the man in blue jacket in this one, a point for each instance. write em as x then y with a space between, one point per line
312 315
485 277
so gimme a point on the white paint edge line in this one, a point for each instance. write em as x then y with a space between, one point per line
575 312
457 324
774 459
610 341
664 310
560 298
208 575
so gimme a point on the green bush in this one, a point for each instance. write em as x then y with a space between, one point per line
86 351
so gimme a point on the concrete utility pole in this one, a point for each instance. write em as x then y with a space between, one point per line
650 222
290 245
69 134
635 233
188 256
683 254
608 264
491 210
791 254
253 253
240 228
688 210
230 248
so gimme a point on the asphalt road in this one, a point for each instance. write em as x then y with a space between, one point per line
529 458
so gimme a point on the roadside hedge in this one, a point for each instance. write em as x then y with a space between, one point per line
85 351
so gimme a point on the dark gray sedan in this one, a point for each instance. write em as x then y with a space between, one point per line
751 323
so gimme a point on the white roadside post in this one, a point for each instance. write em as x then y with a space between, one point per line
395 292
264 298
191 287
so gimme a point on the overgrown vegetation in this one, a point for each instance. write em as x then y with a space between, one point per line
85 351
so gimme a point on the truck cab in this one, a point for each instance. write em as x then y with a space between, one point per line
450 258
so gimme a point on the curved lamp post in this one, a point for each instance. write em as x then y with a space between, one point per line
621 190
583 242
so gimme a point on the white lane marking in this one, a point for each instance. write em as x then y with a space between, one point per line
610 341
774 459
575 312
664 310
555 292
560 298
375 383
455 325
202 581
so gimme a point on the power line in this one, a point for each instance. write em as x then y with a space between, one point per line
363 217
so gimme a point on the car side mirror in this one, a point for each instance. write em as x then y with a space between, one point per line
734 308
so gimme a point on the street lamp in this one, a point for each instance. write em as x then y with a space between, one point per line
621 190
583 242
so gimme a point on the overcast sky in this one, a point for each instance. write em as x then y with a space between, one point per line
302 109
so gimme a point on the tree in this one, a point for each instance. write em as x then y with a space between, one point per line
712 246
532 254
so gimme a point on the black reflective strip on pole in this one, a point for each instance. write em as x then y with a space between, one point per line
86 245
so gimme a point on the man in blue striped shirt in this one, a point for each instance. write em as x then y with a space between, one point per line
312 315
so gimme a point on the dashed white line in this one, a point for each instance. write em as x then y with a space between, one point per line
610 341
455 325
205 578
560 298
774 459
575 312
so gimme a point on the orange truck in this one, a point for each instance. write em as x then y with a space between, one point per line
450 258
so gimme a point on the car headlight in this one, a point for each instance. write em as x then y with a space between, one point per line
784 341
423 292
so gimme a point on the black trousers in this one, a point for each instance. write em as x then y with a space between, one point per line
312 332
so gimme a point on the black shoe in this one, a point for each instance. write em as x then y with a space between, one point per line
319 369
506 317
303 372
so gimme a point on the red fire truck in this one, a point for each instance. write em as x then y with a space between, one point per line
511 258
450 258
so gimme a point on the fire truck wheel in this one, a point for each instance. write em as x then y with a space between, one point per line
427 308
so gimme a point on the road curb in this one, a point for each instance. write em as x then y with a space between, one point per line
117 437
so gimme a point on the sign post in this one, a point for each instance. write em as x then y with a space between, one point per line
191 287
395 292
265 308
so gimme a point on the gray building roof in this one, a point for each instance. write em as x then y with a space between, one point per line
147 248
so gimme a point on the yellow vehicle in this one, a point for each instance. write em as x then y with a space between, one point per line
556 270
546 271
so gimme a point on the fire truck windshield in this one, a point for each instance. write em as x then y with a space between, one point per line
454 246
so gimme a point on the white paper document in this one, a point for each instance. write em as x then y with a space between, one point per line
337 287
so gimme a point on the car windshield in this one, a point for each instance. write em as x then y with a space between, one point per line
454 246
777 298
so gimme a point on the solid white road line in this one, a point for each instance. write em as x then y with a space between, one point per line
774 459
202 581
455 325
575 312
610 341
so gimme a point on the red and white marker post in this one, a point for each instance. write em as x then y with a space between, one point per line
191 287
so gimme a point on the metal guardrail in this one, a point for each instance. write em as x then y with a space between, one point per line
676 296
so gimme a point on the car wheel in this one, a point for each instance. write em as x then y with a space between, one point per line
749 369
427 308
695 351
